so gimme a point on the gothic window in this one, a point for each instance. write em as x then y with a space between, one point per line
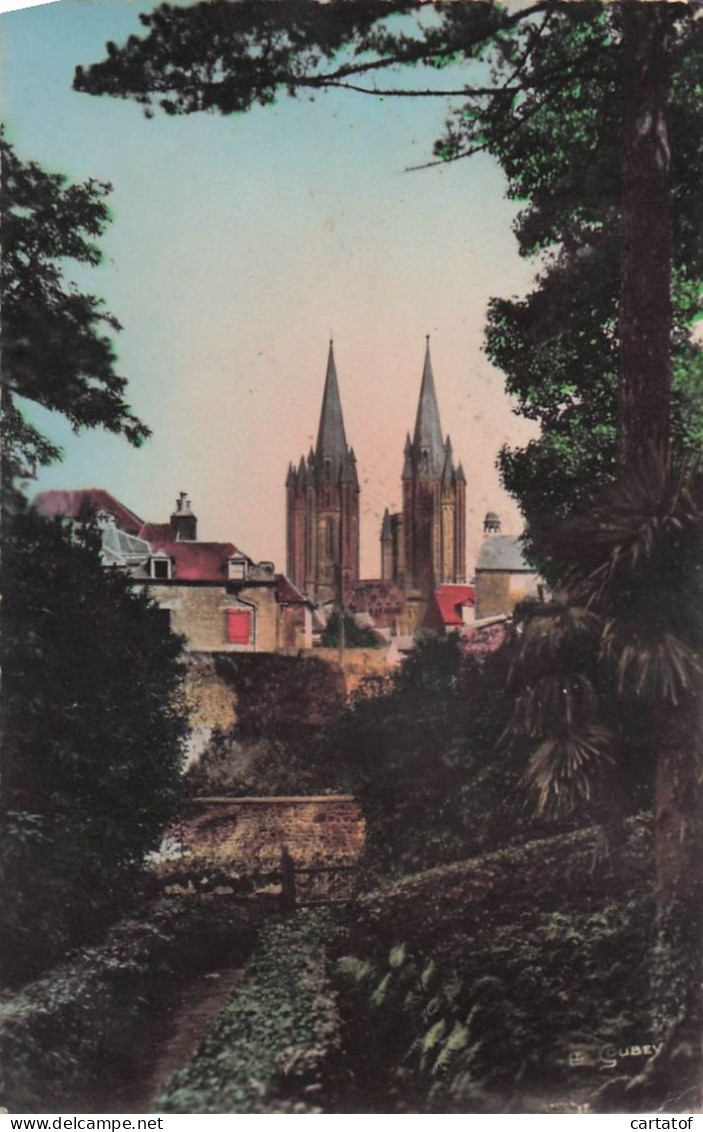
329 537
328 468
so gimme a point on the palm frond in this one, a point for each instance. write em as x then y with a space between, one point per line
570 769
556 702
630 524
547 634
654 665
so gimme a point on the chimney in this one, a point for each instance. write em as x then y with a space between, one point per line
491 524
184 525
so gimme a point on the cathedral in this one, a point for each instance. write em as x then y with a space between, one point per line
422 547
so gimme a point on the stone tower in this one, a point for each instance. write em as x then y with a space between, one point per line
322 509
425 545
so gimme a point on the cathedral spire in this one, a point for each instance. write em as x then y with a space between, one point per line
331 438
428 447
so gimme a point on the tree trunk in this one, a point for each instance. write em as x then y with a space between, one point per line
645 323
645 291
676 1074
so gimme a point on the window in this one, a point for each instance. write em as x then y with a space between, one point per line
239 626
165 618
161 568
237 569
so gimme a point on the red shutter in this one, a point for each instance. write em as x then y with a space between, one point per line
238 626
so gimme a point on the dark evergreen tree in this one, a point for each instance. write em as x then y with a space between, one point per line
92 723
92 720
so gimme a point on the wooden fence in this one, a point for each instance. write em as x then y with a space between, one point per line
300 885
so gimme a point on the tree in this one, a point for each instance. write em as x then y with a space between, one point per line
92 724
56 350
342 629
559 346
607 686
91 716
419 750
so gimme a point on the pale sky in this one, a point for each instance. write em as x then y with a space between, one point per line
237 246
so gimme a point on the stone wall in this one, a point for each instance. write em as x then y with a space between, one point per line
247 834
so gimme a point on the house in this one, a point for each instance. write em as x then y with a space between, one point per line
212 593
450 608
503 576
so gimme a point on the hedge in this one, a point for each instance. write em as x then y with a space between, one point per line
276 1045
81 1022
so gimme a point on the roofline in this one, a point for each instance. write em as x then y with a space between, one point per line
506 570
224 583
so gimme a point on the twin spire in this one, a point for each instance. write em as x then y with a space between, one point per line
333 461
427 455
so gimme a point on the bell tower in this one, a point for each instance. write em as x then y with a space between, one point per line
431 530
322 509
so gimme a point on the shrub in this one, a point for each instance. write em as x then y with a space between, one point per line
470 981
355 636
420 751
495 1007
81 1022
243 767
277 1040
93 728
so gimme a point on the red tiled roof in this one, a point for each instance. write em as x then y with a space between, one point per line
86 502
156 532
449 599
198 561
287 593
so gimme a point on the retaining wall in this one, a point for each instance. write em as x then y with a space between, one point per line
246 834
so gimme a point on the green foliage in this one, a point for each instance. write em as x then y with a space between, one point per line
496 1007
281 696
622 643
277 1040
420 753
355 636
79 1026
55 345
561 147
265 766
227 57
275 747
93 727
